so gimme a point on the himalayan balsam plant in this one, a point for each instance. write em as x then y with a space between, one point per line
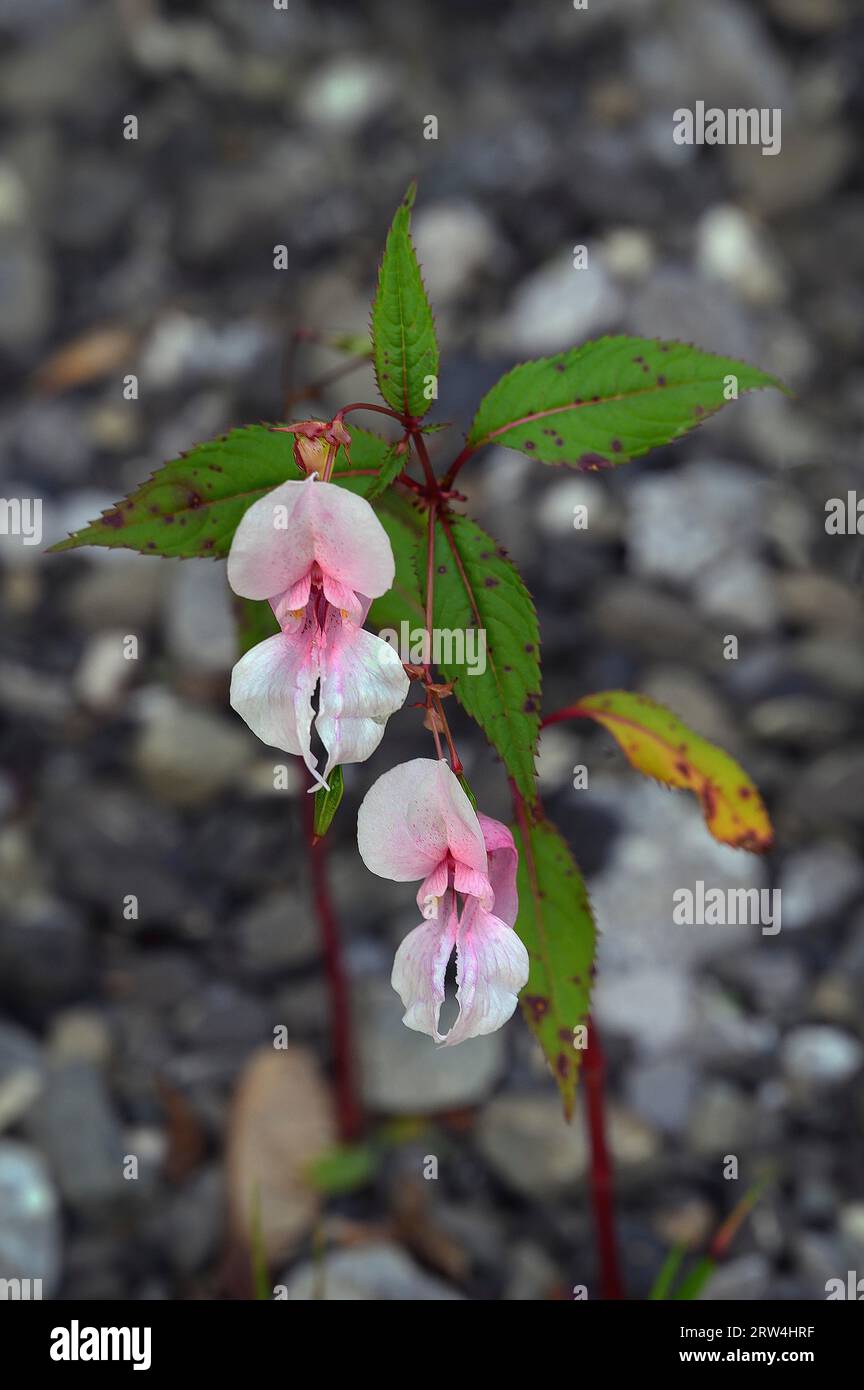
333 533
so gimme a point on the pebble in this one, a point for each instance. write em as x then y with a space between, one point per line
187 755
403 1072
30 1238
200 625
817 1054
730 248
77 1129
696 519
819 881
558 307
527 1141
662 1093
21 1073
379 1273
277 932
721 1121
455 243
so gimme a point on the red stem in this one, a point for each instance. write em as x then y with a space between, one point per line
348 1110
594 1076
594 1079
559 715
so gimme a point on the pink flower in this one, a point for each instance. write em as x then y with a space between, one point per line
319 554
417 823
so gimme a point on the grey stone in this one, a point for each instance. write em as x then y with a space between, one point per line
455 242
188 755
722 1120
404 1072
532 1276
675 304
664 847
661 1092
818 881
76 1128
29 1219
681 524
817 1054
278 932
194 1220
746 1277
26 293
21 1073
200 625
379 1273
526 1139
558 306
740 594
770 975
827 795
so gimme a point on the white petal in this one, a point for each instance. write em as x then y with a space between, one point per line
272 686
491 967
362 684
419 970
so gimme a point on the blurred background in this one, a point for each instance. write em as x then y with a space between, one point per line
141 1099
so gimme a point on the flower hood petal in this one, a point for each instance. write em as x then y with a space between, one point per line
412 817
298 522
273 546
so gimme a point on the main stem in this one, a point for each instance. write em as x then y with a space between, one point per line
349 1113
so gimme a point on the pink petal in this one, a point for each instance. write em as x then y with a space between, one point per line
350 544
271 688
273 546
412 816
503 862
362 683
345 599
298 522
419 970
491 967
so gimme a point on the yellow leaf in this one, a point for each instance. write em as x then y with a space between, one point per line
657 743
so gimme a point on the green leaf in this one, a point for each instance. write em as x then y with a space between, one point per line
327 803
256 622
658 744
258 1250
368 451
402 602
477 588
557 927
192 506
694 1282
390 468
668 1273
608 401
405 351
344 1168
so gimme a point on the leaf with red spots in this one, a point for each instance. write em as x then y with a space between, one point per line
405 351
657 743
557 927
192 505
609 401
479 598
